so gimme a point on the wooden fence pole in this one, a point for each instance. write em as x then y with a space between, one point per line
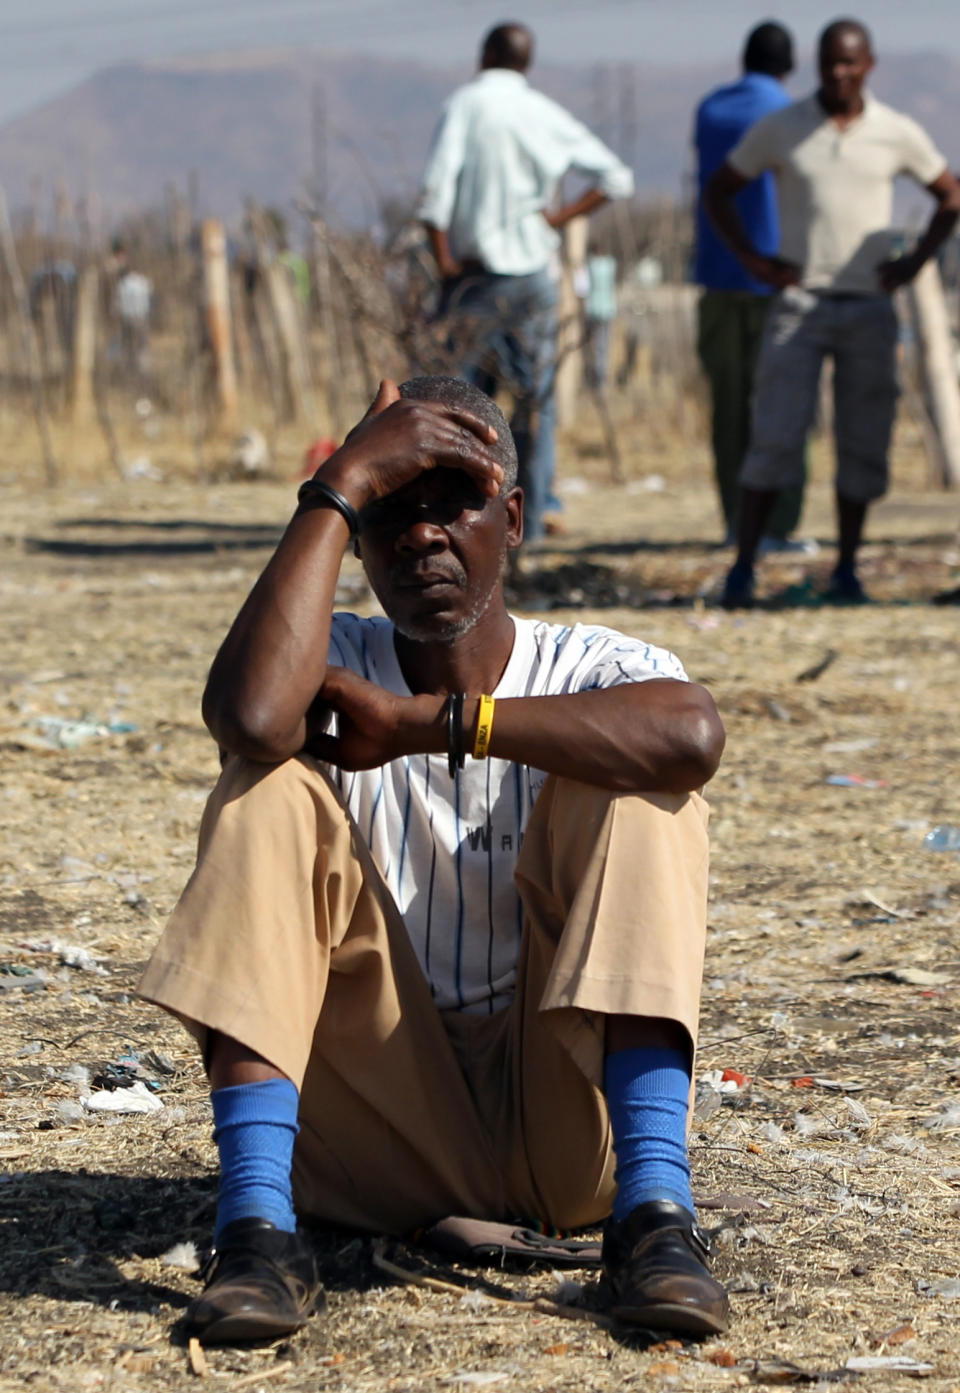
83 394
8 253
939 368
216 289
569 370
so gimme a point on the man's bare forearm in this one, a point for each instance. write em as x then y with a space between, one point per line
447 265
939 228
580 207
272 662
723 213
643 737
657 736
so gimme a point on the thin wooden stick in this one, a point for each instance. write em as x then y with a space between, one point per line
8 251
540 1304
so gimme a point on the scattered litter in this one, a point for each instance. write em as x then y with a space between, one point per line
723 1080
33 1047
159 1062
905 976
650 483
854 781
70 954
567 1292
142 467
724 1199
899 1335
475 1301
806 1125
57 733
183 1256
810 674
943 837
251 454
859 1117
68 1113
947 1120
472 1380
574 486
136 1099
947 1288
704 622
322 448
782 1371
198 1360
894 1363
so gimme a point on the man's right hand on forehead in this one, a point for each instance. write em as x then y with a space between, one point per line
400 438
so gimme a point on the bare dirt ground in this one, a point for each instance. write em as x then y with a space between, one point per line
831 1176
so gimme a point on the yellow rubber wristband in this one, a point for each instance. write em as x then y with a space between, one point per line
481 743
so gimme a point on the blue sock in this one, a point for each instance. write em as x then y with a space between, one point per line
254 1127
647 1092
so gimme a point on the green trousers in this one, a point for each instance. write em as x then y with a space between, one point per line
729 331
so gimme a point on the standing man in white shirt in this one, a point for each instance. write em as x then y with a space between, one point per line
492 174
835 156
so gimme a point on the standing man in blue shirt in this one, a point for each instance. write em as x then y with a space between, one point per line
734 304
488 204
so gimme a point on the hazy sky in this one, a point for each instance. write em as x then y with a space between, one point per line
47 46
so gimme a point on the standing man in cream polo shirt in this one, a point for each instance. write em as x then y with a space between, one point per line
835 156
488 203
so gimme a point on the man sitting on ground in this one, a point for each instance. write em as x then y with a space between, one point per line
443 946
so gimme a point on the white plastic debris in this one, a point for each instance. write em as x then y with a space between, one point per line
944 1121
183 1256
946 1288
859 1117
76 1073
807 1125
136 1099
70 954
68 1113
464 1379
714 1079
567 1292
894 1363
474 1301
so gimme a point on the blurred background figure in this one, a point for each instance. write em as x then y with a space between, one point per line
836 154
492 176
132 303
734 304
599 314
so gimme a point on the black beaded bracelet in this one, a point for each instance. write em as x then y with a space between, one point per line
314 493
455 751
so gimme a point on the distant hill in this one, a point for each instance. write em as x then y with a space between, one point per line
245 123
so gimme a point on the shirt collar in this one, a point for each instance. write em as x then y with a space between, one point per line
869 104
763 80
501 75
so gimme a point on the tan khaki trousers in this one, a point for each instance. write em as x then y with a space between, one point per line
287 939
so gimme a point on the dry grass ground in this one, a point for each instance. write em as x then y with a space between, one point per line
834 1200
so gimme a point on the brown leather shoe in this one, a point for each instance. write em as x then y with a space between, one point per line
259 1283
655 1261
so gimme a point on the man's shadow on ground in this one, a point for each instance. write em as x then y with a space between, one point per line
68 1236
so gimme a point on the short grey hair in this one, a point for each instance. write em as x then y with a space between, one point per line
464 396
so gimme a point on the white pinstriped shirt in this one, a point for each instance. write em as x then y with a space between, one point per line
447 848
